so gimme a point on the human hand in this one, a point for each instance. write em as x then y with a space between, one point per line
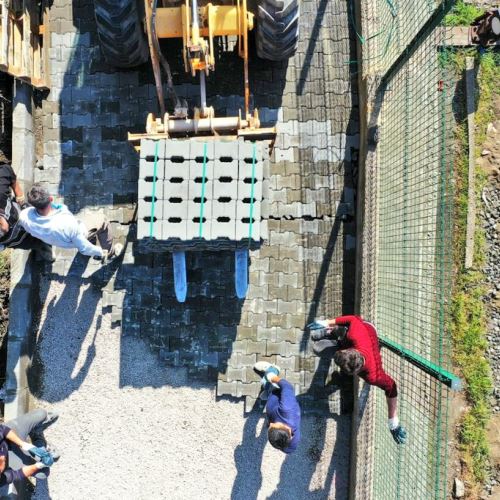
318 324
103 257
41 455
399 434
270 376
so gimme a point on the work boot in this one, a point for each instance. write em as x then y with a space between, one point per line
115 252
53 451
320 334
52 416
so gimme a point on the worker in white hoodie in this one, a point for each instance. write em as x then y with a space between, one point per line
56 225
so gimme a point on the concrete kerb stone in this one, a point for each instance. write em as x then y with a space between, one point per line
20 310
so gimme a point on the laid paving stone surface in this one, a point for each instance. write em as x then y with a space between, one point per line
305 267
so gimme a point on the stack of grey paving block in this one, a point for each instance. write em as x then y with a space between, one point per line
186 211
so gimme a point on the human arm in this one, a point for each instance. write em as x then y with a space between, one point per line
18 192
398 432
392 404
38 453
85 247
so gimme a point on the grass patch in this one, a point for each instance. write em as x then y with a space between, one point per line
462 14
469 317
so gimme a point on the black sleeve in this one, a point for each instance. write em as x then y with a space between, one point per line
10 475
4 430
13 176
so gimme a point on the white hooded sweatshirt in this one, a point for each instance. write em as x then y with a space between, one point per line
60 228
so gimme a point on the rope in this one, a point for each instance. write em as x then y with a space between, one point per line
153 195
203 189
252 190
363 40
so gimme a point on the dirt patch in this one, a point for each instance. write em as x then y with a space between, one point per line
494 440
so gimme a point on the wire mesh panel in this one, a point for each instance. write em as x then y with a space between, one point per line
409 186
389 27
414 196
416 470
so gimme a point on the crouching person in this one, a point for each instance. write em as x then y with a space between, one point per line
282 408
19 458
353 343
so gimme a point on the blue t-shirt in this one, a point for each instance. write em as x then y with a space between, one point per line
282 407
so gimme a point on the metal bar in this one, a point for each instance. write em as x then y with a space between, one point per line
470 85
154 56
259 133
203 94
444 376
245 57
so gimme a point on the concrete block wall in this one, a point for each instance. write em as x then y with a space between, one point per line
305 267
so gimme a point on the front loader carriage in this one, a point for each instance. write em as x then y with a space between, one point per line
201 177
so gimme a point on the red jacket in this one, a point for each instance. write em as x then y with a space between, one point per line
362 336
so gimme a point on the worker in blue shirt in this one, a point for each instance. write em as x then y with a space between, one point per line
282 408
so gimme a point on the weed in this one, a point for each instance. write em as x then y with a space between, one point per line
462 14
468 315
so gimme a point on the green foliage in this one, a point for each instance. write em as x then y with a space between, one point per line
462 14
468 314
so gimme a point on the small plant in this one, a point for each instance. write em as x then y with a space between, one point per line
462 14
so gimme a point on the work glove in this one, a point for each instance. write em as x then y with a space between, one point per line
318 324
399 434
39 454
268 376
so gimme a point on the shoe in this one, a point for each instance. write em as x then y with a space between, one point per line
261 367
52 416
320 334
115 252
53 451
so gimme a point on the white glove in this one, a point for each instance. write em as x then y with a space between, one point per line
323 322
26 446
393 423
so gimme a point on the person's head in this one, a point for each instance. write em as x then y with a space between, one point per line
279 435
350 361
340 331
39 197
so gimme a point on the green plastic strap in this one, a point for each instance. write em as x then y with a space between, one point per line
203 189
153 194
447 378
252 189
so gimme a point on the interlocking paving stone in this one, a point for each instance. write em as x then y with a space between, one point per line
305 266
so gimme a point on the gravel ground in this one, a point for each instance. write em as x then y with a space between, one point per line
130 428
490 215
491 223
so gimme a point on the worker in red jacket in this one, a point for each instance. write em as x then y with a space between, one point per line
355 348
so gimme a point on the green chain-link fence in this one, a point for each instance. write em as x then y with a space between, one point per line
407 245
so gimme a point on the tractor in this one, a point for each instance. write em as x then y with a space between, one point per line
203 173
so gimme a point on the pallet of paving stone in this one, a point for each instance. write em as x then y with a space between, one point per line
202 194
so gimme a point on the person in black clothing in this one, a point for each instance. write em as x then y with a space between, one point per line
12 235
20 459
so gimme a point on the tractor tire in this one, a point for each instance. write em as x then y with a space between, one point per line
277 29
122 38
